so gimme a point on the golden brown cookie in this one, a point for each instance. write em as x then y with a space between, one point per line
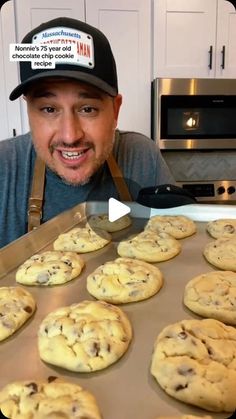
124 280
50 268
16 306
82 240
225 227
178 226
84 337
222 253
213 295
101 221
194 362
47 400
150 246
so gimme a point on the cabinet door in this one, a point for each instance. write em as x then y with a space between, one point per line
184 38
9 111
226 40
127 25
30 13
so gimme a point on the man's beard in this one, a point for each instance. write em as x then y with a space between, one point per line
96 164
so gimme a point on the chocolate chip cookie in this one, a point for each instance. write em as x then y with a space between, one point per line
82 240
150 246
124 280
222 253
194 362
50 268
213 295
16 306
225 227
101 221
84 337
47 400
177 226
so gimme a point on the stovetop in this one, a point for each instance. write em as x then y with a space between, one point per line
212 191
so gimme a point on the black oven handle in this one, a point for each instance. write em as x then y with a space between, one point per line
210 52
223 57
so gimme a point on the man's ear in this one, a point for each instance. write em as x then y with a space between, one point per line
117 102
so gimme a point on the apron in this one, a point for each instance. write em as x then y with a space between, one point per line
35 207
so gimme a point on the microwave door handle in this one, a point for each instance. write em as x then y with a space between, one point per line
210 52
223 57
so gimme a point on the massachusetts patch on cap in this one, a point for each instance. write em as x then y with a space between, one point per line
60 39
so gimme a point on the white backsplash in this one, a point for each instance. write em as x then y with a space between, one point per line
200 166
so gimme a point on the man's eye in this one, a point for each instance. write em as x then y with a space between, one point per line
48 109
88 109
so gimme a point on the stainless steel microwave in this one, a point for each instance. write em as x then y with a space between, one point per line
194 113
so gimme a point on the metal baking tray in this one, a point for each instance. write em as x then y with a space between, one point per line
126 389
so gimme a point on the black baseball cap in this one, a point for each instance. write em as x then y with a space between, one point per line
95 61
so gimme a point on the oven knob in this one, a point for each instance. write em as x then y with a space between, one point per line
230 190
221 190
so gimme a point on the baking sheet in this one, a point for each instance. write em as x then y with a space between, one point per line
126 389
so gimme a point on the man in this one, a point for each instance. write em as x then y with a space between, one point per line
73 112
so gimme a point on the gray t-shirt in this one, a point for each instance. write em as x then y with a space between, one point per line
137 156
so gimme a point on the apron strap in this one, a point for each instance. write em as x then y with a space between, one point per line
118 179
117 175
36 196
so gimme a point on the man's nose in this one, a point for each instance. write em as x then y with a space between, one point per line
70 128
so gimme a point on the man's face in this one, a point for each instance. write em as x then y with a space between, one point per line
72 126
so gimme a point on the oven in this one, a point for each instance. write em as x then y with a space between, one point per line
194 114
194 124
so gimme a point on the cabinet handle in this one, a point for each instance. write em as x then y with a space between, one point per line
14 132
210 52
223 57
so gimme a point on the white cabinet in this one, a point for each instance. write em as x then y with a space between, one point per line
31 13
194 38
9 111
226 40
127 24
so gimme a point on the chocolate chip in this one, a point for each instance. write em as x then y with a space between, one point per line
186 371
180 387
51 378
95 349
68 262
33 387
28 309
210 351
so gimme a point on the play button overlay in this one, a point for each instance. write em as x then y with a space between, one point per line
103 203
116 210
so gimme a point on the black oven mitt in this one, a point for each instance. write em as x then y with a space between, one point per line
165 196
